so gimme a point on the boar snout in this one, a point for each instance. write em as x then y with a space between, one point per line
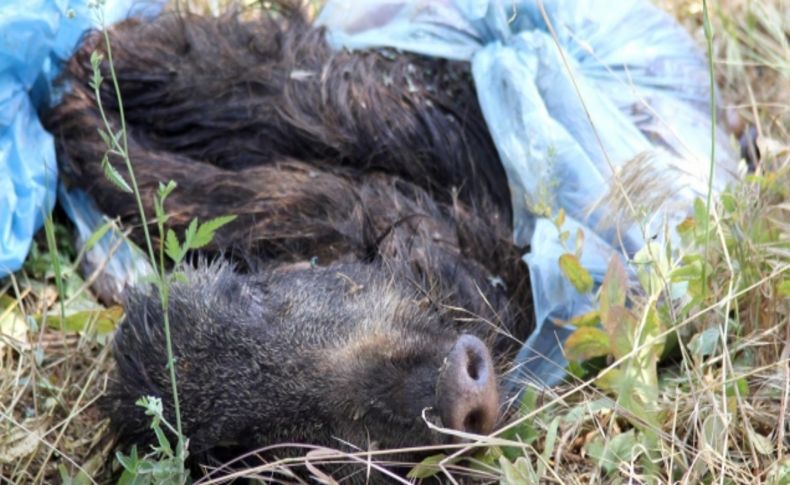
467 396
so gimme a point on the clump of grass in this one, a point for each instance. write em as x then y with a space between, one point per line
696 391
53 366
715 409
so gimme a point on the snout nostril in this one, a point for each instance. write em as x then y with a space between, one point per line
473 423
474 364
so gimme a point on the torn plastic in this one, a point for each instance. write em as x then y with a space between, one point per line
578 96
121 263
36 37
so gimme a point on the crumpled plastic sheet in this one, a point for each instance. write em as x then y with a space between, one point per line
573 92
120 261
36 36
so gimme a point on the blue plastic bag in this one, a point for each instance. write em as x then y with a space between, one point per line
36 36
578 97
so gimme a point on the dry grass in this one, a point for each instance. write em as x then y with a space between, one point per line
49 381
718 416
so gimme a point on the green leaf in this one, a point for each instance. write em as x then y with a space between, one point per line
165 190
690 271
714 432
635 381
102 320
640 368
152 278
106 139
686 225
128 462
113 175
576 369
575 273
65 478
700 213
173 247
705 343
519 472
97 79
189 234
529 400
96 236
164 443
585 343
524 432
586 410
589 319
729 202
488 458
427 467
205 232
620 327
784 288
779 473
621 448
548 445
652 329
652 268
560 220
739 386
96 58
613 289
81 478
177 277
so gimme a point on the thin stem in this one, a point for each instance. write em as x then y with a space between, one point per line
163 291
49 231
709 42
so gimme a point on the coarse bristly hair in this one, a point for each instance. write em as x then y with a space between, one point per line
379 164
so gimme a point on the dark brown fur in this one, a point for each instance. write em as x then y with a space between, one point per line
380 165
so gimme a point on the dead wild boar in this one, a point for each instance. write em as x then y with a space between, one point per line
372 278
